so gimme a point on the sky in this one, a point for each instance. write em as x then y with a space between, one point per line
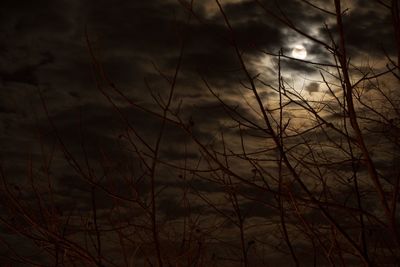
44 49
46 63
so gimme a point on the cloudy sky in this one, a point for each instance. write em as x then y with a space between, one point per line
44 52
44 49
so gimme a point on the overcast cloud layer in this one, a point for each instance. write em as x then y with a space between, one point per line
44 48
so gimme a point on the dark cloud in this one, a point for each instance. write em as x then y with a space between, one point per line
292 65
26 74
370 33
312 87
368 30
298 12
29 32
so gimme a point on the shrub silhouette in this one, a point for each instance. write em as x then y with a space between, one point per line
283 176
